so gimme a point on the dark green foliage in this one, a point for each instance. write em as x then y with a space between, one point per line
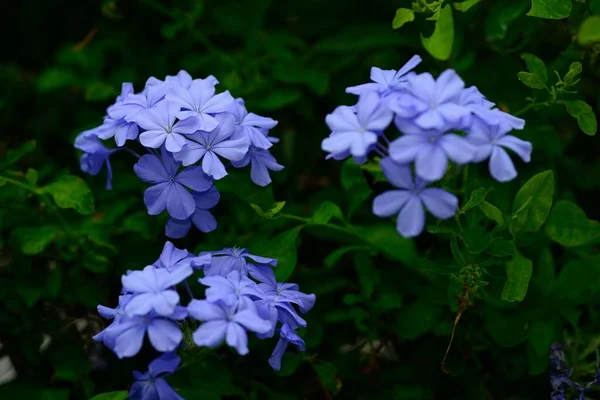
515 271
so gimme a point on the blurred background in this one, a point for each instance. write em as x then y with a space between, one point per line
63 63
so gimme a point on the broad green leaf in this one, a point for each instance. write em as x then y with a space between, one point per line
503 17
531 80
282 247
542 334
476 239
477 196
403 15
441 230
237 183
367 274
100 91
507 329
518 274
385 238
353 182
536 66
582 111
417 319
14 155
532 203
325 212
55 78
31 176
501 248
465 5
352 299
568 226
327 373
550 9
589 31
30 292
579 280
269 213
278 98
120 395
337 254
290 363
574 70
70 191
439 44
492 212
388 301
35 240
594 6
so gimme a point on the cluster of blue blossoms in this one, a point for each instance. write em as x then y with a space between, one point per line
181 122
440 121
241 296
560 376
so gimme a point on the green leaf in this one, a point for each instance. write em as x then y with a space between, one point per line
337 254
532 203
269 213
439 44
476 239
35 240
465 5
327 373
417 319
477 196
589 31
568 226
353 182
388 301
120 395
582 111
507 329
403 15
14 155
31 176
385 238
70 191
290 363
278 98
541 336
579 280
100 91
325 212
518 274
536 66
367 274
501 248
352 299
550 9
531 80
503 18
282 247
492 212
574 70
30 292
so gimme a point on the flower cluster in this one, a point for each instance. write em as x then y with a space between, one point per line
560 375
440 121
241 296
188 131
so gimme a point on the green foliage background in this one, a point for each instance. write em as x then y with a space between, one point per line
521 271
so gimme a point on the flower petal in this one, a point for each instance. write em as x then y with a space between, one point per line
439 202
411 219
389 203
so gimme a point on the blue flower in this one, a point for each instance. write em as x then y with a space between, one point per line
261 161
120 129
169 191
201 218
227 260
229 323
228 289
126 337
385 81
207 146
356 131
286 336
200 103
95 155
253 126
172 258
432 103
153 290
159 123
490 141
131 105
430 149
152 385
408 202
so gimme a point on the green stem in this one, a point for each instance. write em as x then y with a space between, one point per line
347 229
531 106
20 184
